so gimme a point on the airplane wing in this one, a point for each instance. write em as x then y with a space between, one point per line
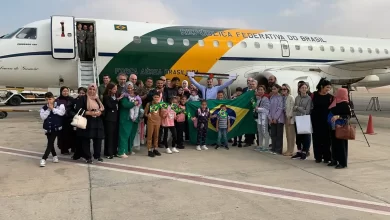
363 65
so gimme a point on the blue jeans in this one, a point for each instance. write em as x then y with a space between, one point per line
222 133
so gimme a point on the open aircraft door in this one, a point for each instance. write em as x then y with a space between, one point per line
63 37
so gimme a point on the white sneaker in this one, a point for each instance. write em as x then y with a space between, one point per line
137 148
55 159
198 147
204 147
174 150
168 151
42 163
132 153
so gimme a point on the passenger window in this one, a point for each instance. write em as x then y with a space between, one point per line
230 44
322 48
216 43
310 47
201 43
186 42
257 45
342 49
153 40
170 41
352 50
28 33
137 39
297 47
377 50
360 50
369 50
386 51
270 45
243 44
332 48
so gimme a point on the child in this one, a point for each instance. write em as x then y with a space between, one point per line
134 112
180 123
222 127
262 111
51 114
183 102
154 121
194 96
168 123
202 115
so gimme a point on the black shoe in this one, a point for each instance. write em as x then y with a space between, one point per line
327 161
116 155
151 154
234 144
303 156
297 156
230 141
340 167
226 147
332 164
99 159
75 158
240 145
156 153
110 157
89 161
318 161
216 147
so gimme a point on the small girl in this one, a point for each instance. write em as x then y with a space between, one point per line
194 96
262 109
134 112
168 122
202 116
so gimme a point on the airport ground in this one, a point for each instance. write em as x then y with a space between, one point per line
217 184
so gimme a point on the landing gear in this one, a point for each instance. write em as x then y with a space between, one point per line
14 101
349 89
3 115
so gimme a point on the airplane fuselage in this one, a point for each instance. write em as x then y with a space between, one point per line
153 50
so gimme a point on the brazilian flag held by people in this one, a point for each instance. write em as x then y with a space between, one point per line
240 111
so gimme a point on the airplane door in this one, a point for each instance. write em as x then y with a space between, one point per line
285 48
63 37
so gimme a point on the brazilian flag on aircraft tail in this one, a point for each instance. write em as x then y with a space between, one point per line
240 111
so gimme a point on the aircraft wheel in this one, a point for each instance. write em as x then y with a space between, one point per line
3 115
15 101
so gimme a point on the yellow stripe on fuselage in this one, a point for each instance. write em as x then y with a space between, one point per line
203 58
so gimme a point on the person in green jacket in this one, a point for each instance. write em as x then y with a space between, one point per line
125 123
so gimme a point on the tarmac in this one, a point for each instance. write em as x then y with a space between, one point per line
216 184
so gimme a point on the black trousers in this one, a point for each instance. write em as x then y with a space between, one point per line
239 139
339 149
111 138
86 147
51 137
186 130
66 138
180 127
277 137
249 139
174 137
321 148
78 153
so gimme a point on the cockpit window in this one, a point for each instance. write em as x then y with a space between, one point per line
28 33
10 35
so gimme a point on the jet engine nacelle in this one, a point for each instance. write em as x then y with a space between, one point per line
290 77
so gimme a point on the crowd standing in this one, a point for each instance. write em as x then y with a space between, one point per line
128 114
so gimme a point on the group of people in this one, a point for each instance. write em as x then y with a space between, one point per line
85 42
120 113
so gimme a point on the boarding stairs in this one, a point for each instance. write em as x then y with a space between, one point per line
87 73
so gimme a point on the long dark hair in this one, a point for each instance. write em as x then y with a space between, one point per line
108 89
322 83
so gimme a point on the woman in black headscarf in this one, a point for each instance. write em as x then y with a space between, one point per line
66 135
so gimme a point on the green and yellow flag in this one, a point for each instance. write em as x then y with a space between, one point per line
240 111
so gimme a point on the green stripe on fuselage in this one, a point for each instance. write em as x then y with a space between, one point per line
154 60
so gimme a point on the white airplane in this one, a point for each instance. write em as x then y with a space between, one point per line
44 54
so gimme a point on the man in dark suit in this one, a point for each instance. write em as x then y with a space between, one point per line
122 79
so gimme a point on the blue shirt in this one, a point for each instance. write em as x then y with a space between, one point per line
210 93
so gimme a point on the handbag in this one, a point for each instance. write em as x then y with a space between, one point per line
79 121
303 124
346 131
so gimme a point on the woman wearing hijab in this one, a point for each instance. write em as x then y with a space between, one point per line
340 113
93 108
125 123
65 136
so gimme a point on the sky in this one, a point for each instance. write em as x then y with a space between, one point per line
361 18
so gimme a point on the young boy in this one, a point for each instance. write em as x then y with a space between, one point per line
51 115
154 122
222 127
202 115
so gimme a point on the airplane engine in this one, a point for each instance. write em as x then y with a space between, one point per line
290 77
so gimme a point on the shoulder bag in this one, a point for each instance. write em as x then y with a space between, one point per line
346 131
79 121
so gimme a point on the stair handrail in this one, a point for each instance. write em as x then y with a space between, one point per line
79 72
95 73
